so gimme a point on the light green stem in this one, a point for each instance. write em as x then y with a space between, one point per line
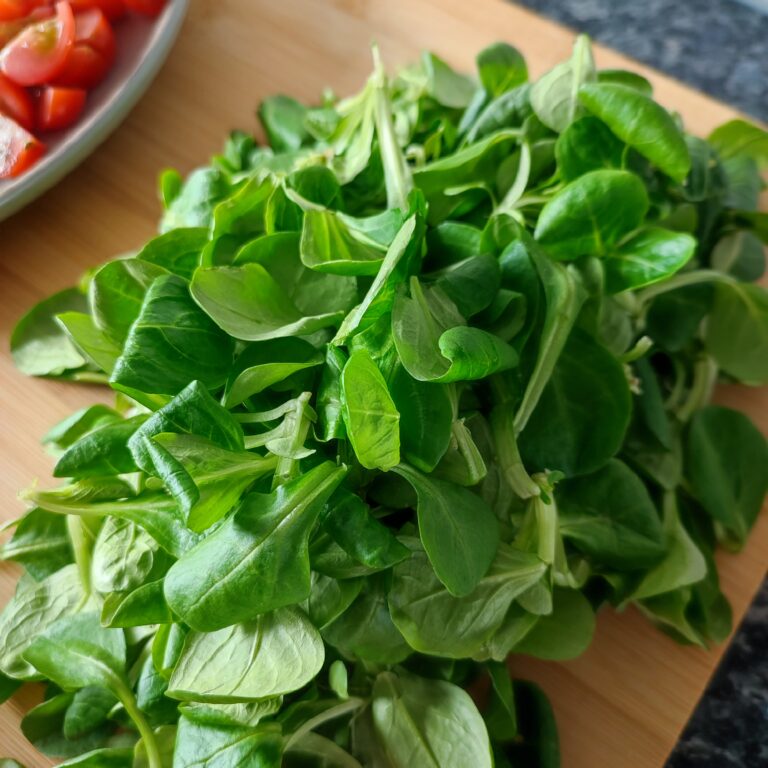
397 174
145 729
681 281
704 377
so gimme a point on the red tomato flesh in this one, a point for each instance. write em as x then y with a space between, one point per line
58 107
40 51
147 7
19 149
14 9
16 103
112 9
92 54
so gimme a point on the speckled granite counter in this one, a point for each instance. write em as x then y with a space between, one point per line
729 728
720 47
717 46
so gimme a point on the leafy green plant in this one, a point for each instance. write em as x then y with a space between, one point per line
424 383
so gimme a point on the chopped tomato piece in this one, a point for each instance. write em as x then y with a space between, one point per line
16 103
59 107
93 28
93 53
19 149
112 9
40 51
147 7
14 9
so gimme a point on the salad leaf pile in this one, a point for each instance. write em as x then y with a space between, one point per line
423 383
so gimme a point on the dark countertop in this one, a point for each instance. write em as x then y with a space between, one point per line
717 46
721 48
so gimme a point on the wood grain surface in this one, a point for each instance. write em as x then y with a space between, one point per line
624 702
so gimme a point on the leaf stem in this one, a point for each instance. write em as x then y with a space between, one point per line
397 174
128 700
704 377
681 281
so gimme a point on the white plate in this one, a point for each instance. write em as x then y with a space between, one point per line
142 46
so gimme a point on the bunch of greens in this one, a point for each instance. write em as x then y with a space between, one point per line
422 384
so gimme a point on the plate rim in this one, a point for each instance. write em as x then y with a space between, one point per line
107 118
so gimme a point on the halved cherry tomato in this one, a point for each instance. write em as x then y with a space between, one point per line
93 52
19 149
112 9
39 52
16 103
9 29
59 107
147 7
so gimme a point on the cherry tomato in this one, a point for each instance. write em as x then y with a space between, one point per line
93 53
14 9
59 107
19 149
112 9
39 52
9 29
147 7
16 103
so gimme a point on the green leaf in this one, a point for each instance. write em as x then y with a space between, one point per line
555 96
740 254
428 723
683 562
193 411
641 123
591 214
257 560
737 331
674 317
283 121
610 516
313 293
34 608
144 606
266 363
329 244
426 418
275 654
726 463
434 621
627 79
77 652
565 633
444 85
501 67
329 407
177 251
348 520
117 757
473 167
89 340
104 451
652 255
434 344
583 414
738 138
172 343
40 543
209 746
90 707
39 346
458 530
249 304
370 415
123 556
193 205
365 630
116 294
587 144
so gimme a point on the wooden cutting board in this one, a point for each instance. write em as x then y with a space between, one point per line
624 702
